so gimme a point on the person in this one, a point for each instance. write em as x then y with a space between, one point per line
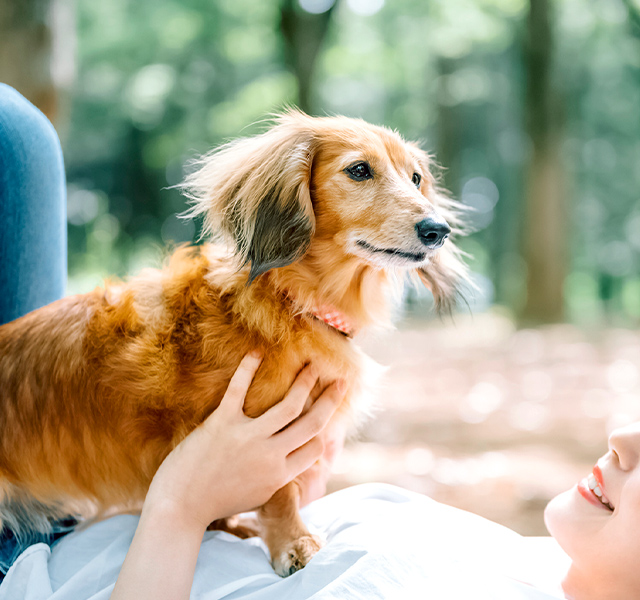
599 529
596 525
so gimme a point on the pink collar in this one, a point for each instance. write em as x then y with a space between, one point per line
333 318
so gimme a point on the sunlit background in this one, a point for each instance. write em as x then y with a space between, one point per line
530 106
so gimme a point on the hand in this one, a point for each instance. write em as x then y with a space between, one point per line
232 463
229 464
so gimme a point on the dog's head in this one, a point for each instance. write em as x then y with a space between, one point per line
332 187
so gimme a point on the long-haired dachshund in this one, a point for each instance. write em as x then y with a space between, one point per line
320 216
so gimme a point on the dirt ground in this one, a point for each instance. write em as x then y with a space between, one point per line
492 419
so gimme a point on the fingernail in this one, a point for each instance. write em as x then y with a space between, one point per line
341 386
256 354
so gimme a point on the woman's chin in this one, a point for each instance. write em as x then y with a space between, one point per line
556 511
568 518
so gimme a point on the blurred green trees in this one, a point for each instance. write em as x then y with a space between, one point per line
548 161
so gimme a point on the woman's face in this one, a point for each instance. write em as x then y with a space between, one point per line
600 528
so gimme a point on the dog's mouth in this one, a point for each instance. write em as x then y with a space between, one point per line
412 256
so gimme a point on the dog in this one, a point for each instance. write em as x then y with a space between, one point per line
318 220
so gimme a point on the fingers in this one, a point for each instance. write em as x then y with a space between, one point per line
313 422
304 457
290 407
233 399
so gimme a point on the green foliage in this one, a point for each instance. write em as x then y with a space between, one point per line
159 82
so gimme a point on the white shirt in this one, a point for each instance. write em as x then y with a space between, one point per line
383 542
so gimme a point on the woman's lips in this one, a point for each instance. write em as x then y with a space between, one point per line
587 494
597 473
591 488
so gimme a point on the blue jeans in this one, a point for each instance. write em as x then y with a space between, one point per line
33 206
33 240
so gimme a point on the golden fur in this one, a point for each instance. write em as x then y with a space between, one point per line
96 389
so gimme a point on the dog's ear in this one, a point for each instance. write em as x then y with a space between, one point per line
446 272
256 192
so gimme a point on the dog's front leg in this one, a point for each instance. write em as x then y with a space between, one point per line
287 537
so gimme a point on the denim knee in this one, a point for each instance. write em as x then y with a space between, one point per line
33 236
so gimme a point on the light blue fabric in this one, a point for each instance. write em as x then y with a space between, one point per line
33 224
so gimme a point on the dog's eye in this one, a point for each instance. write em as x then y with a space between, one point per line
359 172
416 179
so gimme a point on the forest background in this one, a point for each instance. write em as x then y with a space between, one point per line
532 109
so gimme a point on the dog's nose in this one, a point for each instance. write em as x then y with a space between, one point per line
433 233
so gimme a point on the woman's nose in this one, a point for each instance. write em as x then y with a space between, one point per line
625 442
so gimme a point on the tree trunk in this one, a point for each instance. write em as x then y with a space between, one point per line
545 226
37 47
450 130
303 34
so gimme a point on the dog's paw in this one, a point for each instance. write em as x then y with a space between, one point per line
296 555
